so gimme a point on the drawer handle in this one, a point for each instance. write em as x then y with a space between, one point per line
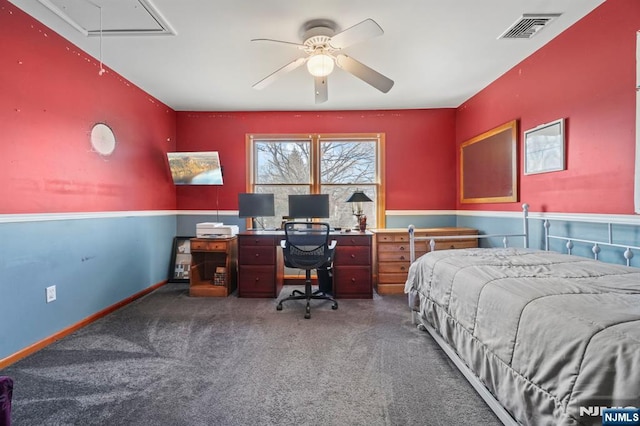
257 279
451 246
353 256
257 254
401 257
401 248
353 280
402 268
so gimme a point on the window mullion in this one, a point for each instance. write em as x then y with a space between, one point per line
315 164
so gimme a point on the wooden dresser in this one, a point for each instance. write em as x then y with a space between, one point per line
213 266
392 253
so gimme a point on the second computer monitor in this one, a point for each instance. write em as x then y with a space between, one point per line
309 206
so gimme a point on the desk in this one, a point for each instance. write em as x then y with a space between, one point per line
261 267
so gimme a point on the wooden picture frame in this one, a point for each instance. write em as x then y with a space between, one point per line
489 166
544 148
180 267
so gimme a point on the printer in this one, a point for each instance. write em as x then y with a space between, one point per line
215 229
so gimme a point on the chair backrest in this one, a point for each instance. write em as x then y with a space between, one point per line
306 244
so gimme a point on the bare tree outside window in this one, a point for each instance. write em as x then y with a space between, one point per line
317 164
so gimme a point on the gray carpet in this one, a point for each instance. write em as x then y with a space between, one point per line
169 359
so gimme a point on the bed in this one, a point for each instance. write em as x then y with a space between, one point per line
546 338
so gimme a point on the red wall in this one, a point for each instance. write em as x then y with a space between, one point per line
420 161
50 96
586 75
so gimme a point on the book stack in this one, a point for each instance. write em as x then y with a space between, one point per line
220 276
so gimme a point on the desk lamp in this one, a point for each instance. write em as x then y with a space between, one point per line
356 200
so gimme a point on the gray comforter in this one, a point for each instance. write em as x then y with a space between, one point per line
552 336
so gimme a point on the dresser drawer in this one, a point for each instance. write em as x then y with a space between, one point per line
256 255
455 244
352 255
213 245
393 267
397 256
392 278
398 247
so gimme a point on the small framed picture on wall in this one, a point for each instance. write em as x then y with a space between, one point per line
180 260
544 148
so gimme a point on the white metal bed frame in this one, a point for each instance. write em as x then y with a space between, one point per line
504 416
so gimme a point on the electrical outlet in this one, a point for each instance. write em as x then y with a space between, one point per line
51 293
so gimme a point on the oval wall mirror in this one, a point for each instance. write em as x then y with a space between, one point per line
102 139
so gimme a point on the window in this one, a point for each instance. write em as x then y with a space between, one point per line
336 165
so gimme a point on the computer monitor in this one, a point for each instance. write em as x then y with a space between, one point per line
309 206
254 205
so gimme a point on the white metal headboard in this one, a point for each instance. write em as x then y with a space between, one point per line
595 249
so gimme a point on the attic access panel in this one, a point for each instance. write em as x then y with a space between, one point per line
111 17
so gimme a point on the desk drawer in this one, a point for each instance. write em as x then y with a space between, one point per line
352 282
208 245
259 240
355 255
352 240
256 281
257 255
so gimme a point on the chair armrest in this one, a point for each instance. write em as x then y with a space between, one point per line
283 243
333 244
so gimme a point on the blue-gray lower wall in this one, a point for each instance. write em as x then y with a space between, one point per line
96 262
93 262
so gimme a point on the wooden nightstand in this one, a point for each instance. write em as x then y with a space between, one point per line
392 253
213 266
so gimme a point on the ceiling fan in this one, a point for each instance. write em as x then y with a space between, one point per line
321 46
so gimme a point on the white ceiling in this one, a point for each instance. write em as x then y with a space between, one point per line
438 52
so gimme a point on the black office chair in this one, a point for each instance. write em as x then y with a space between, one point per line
306 246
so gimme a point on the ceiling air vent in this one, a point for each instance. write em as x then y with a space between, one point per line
529 25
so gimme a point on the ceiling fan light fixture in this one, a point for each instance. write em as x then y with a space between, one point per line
320 65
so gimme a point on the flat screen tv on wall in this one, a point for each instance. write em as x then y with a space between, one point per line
195 168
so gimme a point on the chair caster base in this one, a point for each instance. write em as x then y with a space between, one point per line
279 307
334 306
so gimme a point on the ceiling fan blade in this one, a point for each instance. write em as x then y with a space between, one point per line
273 76
298 45
359 32
364 73
321 89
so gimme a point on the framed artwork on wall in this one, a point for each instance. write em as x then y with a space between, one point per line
180 260
544 148
488 166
